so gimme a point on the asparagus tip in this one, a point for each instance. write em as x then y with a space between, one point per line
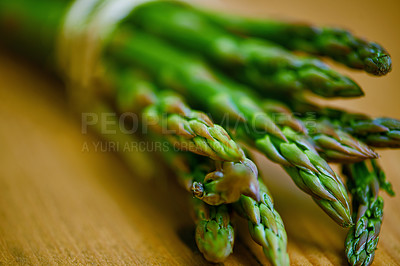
379 65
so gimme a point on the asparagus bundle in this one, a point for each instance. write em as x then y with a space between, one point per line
168 43
309 171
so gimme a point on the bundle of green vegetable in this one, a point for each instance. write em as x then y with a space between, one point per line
207 83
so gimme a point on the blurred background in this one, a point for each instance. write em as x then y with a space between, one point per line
60 204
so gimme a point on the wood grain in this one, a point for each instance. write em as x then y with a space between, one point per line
62 205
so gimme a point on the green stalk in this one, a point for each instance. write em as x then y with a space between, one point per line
338 146
364 183
214 230
262 64
167 114
265 225
190 131
333 144
338 44
309 171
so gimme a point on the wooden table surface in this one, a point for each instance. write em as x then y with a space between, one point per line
62 205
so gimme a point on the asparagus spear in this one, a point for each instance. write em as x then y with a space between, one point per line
299 158
379 132
338 146
167 114
308 170
214 230
265 225
186 75
332 144
363 237
192 132
338 44
262 64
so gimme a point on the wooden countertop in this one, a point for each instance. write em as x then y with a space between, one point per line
62 205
